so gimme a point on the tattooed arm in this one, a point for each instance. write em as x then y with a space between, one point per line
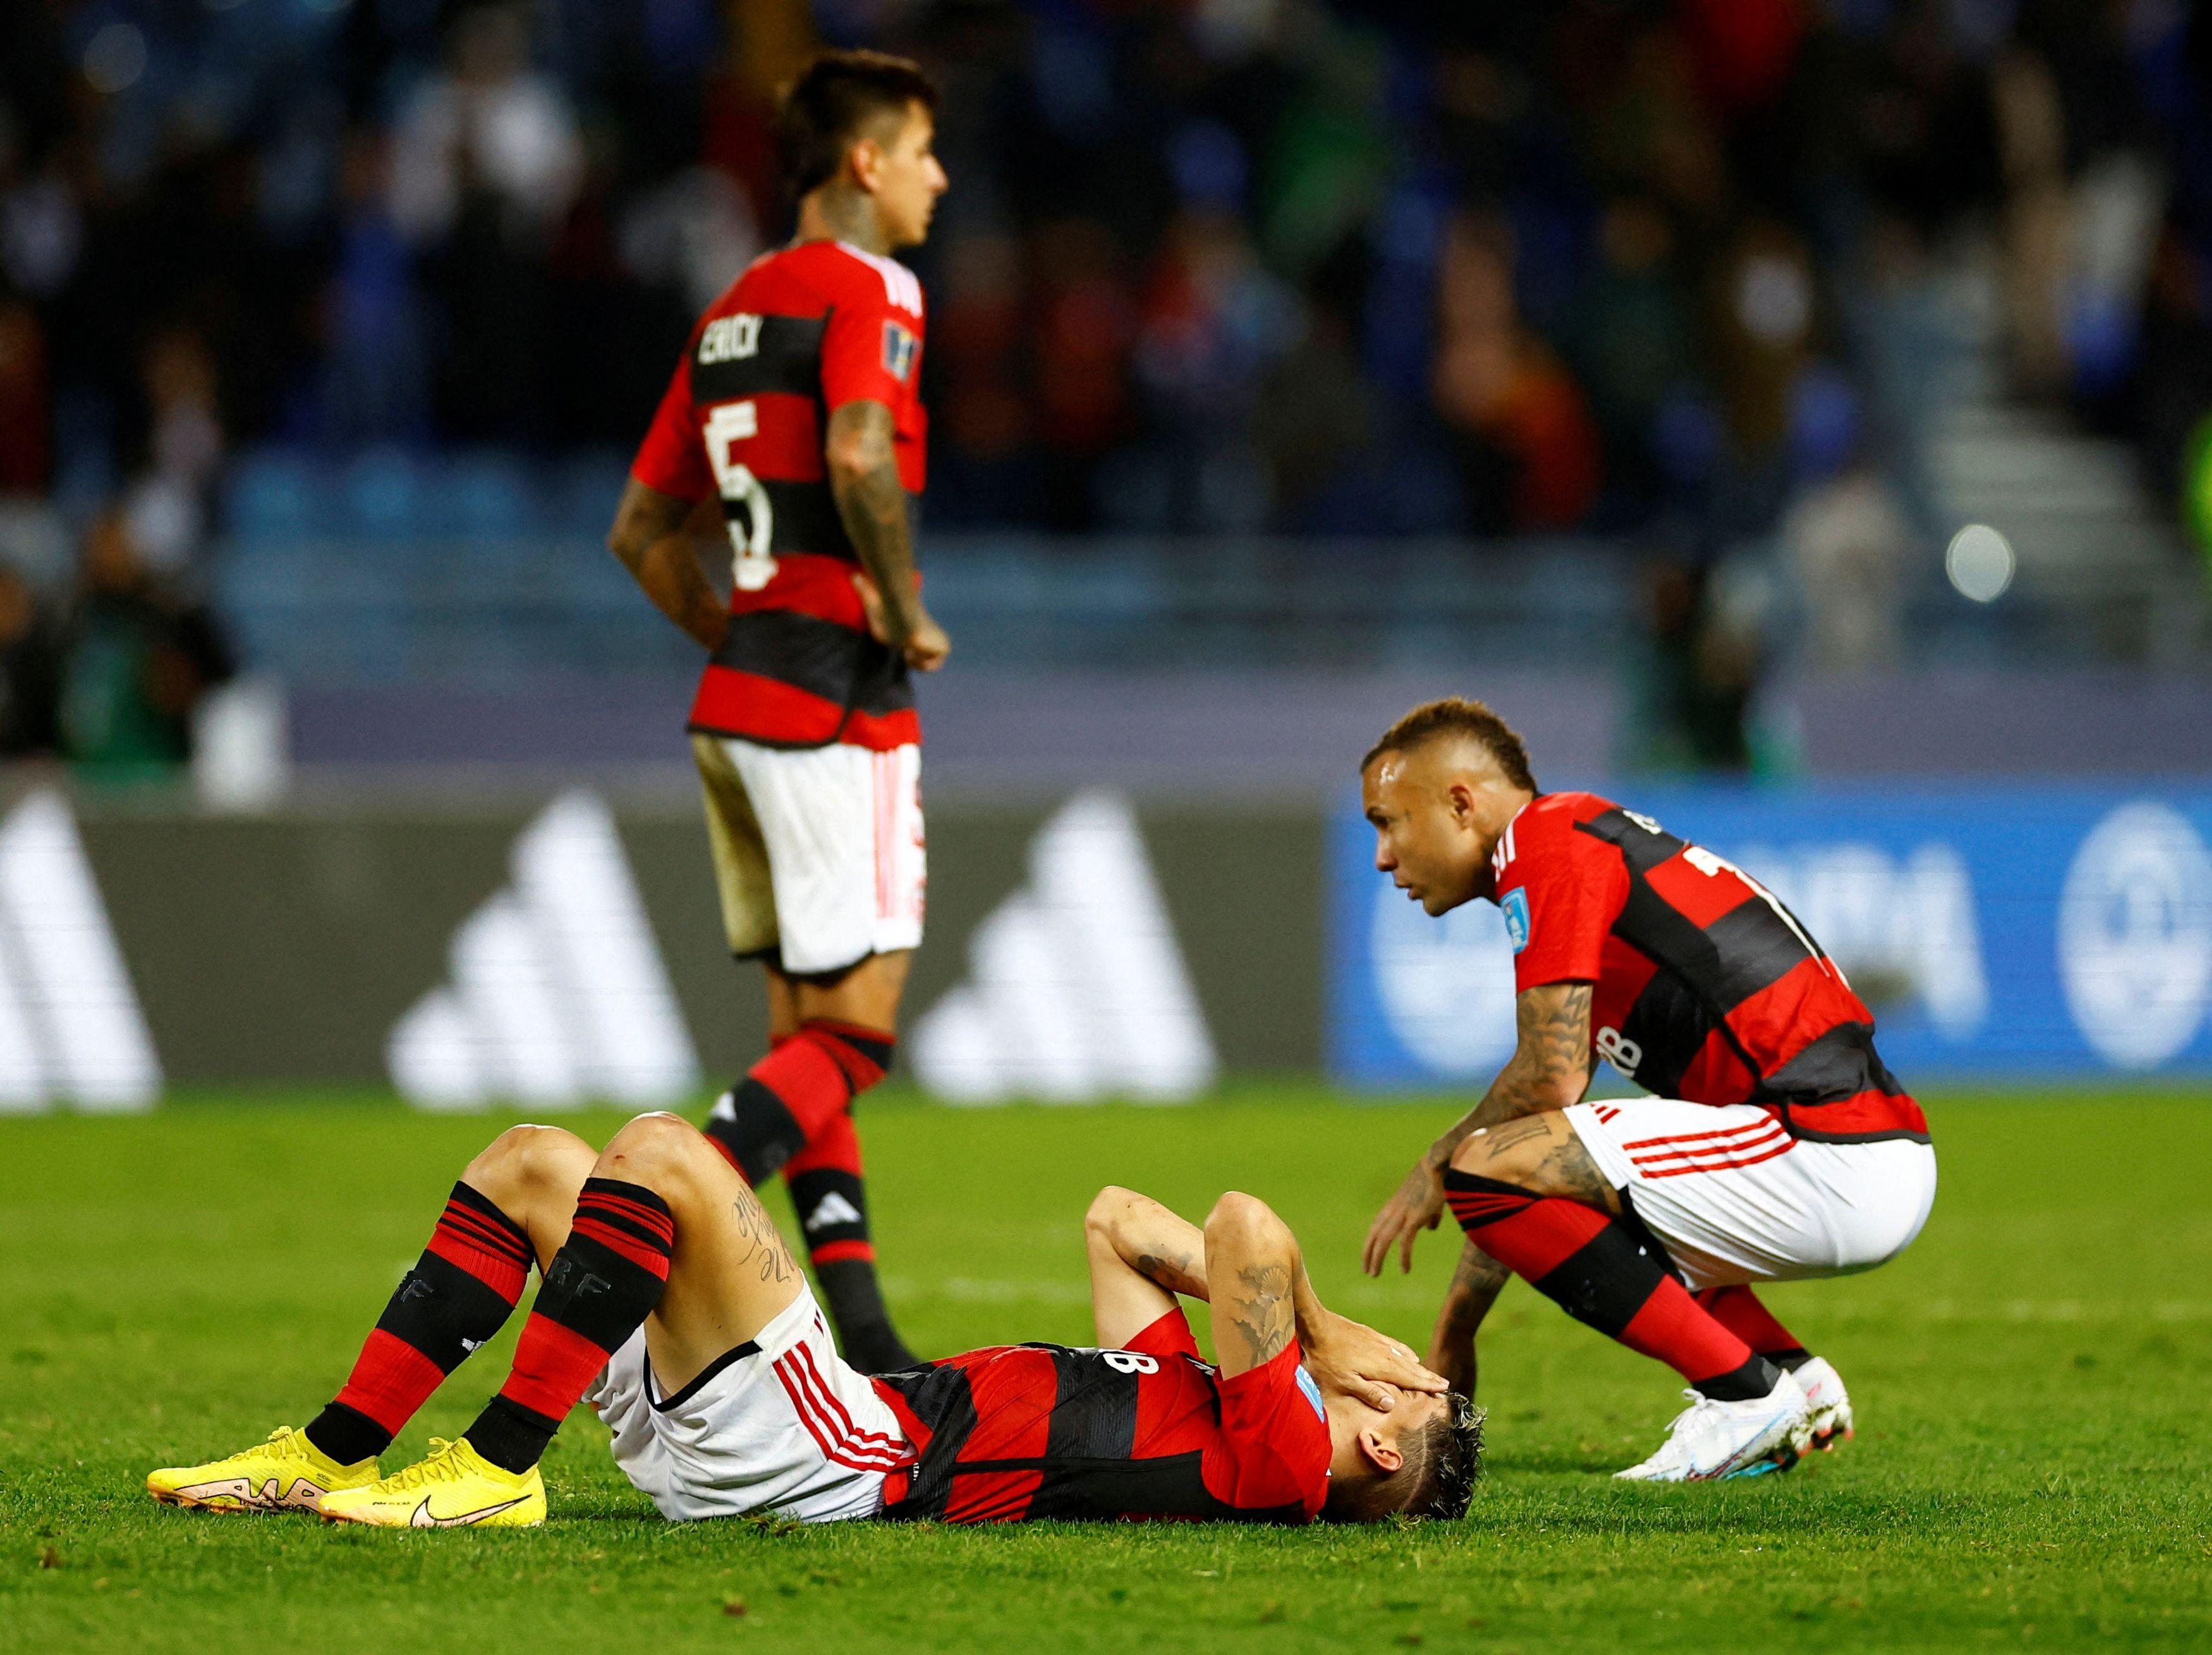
651 535
1474 1288
1252 1267
863 480
1550 1068
1142 1255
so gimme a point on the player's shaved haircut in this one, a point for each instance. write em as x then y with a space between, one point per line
1443 1460
828 106
1456 716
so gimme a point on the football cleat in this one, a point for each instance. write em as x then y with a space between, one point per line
1710 1440
456 1488
286 1473
1828 1405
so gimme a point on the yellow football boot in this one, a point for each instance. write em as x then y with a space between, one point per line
286 1473
455 1488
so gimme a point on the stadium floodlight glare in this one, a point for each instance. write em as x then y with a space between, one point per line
1980 562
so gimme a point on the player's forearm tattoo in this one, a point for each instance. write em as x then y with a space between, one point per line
871 503
1262 1312
1172 1271
1475 1285
1550 1065
764 1245
651 537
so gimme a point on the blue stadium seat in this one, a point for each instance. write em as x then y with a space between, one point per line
383 490
277 494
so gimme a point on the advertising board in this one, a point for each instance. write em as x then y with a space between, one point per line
1998 932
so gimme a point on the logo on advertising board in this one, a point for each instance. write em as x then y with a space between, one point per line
1076 987
556 992
2135 935
70 1027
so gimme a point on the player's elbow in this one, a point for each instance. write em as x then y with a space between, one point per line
1107 1210
851 455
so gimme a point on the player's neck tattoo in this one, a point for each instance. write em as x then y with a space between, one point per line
850 217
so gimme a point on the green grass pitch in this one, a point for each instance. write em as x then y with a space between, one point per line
2032 1465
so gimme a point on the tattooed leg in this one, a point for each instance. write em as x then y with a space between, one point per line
1542 1154
1533 1200
730 1273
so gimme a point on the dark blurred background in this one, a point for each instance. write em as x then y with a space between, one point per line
1638 364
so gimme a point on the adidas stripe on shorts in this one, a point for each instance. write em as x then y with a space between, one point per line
779 1425
1734 1198
818 850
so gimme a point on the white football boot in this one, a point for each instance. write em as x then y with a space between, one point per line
1828 1405
1709 1440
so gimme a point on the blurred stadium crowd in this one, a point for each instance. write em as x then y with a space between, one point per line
1682 271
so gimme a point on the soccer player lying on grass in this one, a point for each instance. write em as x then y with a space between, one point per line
671 1302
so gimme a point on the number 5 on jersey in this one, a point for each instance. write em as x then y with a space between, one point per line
752 567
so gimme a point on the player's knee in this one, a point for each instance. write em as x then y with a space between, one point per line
660 1151
1483 1156
1238 1216
524 1160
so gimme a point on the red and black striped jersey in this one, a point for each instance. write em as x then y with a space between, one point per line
805 330
1706 987
1149 1433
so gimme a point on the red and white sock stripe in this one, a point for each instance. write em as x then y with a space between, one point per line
1672 1156
841 1439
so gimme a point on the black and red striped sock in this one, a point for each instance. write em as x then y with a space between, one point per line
459 1293
788 1096
1602 1271
598 1289
1739 1311
828 1192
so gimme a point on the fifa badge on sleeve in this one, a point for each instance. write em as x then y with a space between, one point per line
899 346
1515 909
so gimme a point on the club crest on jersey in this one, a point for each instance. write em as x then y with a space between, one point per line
899 347
1514 906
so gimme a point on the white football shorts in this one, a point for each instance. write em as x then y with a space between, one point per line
1735 1199
779 1425
818 850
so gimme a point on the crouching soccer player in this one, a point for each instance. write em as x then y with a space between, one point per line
669 1301
1779 1146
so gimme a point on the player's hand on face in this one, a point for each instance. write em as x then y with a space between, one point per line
1353 1357
1418 1205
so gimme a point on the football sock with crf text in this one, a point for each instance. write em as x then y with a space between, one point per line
788 1096
1739 1311
598 1291
829 1195
1602 1272
459 1293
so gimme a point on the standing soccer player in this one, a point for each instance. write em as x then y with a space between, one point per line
1779 1146
795 420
